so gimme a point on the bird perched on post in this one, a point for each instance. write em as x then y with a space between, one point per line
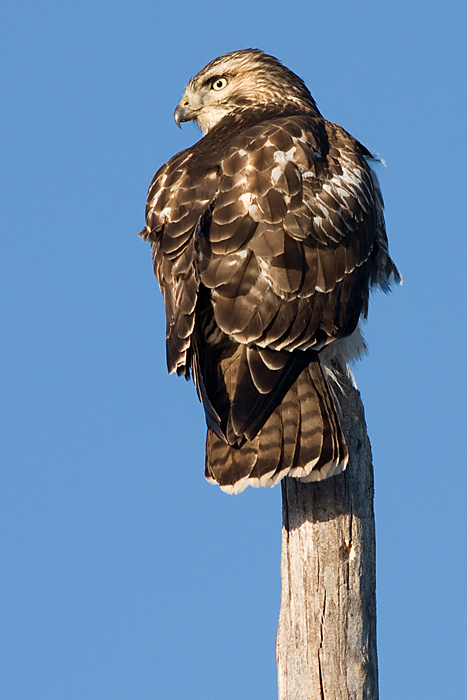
267 236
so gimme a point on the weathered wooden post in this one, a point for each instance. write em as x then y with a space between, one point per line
326 641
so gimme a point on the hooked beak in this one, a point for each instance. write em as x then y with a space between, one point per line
183 113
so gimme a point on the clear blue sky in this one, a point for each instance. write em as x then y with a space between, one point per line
123 573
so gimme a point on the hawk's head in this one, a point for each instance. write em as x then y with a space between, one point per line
237 80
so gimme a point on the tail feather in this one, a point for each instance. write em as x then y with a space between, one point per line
268 457
302 437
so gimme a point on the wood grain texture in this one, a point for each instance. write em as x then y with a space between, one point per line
326 640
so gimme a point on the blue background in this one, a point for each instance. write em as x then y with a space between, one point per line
123 573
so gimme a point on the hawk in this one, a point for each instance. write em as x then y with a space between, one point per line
267 236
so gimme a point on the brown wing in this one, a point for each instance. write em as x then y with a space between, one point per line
176 208
294 235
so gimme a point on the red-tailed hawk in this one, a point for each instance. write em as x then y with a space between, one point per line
267 236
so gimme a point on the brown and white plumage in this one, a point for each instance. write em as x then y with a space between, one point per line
267 236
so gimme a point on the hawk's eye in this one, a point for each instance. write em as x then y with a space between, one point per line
218 83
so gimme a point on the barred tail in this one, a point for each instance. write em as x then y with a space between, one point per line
302 437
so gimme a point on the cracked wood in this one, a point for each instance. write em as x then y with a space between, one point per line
326 641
